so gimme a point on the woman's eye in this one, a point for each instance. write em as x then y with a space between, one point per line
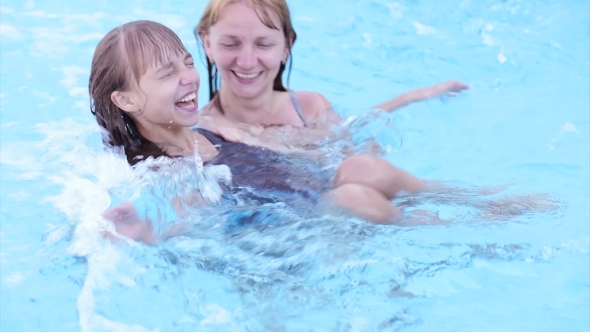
229 45
265 46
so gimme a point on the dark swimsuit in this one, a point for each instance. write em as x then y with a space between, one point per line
265 175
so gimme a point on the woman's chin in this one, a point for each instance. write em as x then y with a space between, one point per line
248 91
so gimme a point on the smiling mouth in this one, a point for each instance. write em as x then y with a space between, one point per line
245 76
187 101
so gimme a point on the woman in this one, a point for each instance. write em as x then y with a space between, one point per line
248 45
144 87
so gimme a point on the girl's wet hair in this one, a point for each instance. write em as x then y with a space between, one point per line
263 9
119 61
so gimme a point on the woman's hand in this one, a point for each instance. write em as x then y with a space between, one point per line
446 89
233 134
450 88
231 131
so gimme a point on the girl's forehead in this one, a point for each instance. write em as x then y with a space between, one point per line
167 58
152 59
146 48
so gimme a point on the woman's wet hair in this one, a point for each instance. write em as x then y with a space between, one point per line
263 8
119 61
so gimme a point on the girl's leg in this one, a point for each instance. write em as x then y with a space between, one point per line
364 202
371 205
376 173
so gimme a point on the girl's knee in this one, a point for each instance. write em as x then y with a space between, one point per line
365 202
362 167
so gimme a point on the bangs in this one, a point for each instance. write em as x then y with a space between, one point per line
150 44
263 9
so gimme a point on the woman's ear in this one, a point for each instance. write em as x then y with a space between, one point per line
207 46
125 101
285 55
289 43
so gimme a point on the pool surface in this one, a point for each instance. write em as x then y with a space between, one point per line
524 123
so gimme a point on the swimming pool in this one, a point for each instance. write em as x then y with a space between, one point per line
524 122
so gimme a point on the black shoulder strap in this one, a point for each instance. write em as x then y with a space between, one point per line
214 138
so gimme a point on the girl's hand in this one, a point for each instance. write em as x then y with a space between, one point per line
129 224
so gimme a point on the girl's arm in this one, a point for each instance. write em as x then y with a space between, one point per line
130 224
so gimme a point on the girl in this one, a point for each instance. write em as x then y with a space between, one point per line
144 86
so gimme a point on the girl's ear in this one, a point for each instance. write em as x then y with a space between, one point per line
125 101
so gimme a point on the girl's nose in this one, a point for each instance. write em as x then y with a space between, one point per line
190 76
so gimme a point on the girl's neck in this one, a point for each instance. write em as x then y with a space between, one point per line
175 141
253 110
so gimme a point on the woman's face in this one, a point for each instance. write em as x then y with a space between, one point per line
247 53
166 95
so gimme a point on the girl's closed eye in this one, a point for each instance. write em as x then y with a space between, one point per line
168 74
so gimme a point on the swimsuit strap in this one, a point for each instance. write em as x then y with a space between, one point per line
297 107
214 138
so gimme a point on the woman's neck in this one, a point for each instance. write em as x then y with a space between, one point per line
253 110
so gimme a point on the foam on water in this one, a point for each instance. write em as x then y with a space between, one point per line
87 185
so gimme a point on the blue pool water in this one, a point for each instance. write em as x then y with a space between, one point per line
524 122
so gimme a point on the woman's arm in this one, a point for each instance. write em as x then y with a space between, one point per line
450 88
320 114
283 139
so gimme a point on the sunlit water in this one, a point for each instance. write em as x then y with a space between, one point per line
523 123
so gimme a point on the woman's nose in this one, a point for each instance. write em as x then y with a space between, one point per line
246 58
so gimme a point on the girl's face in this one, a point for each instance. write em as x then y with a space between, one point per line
166 95
247 53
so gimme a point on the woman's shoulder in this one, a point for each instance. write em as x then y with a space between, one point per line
317 108
312 99
312 103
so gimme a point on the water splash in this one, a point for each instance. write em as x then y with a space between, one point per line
263 267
